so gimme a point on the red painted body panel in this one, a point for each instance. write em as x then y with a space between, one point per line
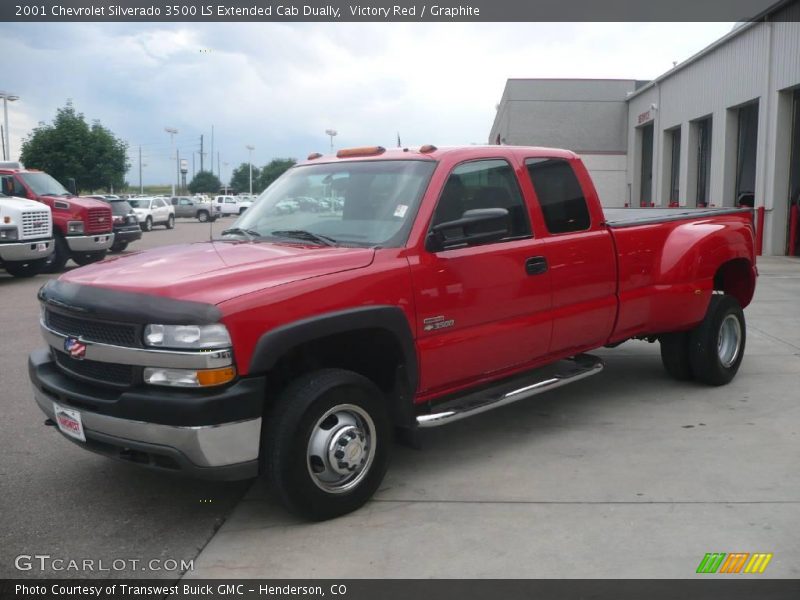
602 285
79 209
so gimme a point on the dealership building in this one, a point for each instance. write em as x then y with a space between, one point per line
720 129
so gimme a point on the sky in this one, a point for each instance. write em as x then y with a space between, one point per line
279 86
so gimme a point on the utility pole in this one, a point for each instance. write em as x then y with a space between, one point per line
141 188
193 153
250 161
219 173
212 152
202 154
178 168
171 131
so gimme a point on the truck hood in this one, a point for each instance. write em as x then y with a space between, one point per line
21 204
212 272
78 201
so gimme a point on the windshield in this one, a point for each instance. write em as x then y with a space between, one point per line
365 203
140 203
43 184
120 207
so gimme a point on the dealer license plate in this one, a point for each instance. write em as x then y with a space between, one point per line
69 422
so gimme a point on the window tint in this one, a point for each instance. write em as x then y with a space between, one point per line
559 194
483 184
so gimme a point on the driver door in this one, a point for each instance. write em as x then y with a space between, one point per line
481 310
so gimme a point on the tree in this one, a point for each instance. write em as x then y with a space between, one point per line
240 178
271 171
70 148
205 182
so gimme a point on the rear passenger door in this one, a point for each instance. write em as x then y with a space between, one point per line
580 253
481 309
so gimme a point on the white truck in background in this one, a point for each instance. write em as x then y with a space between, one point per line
26 235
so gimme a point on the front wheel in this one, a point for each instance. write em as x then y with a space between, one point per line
25 268
171 222
716 346
148 224
202 216
58 258
326 446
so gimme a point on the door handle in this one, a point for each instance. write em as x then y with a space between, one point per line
536 265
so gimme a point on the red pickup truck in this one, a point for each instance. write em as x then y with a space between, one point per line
423 286
82 227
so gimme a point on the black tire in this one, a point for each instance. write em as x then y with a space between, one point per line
288 432
675 355
56 261
171 222
148 224
28 268
202 216
87 258
713 362
119 246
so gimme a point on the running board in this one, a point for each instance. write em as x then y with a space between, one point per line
524 386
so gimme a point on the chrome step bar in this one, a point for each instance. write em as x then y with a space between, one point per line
533 383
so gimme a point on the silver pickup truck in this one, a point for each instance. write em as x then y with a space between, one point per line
186 206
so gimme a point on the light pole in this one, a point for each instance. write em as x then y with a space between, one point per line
7 97
225 167
250 161
333 133
172 131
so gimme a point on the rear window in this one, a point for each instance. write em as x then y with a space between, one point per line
120 207
560 195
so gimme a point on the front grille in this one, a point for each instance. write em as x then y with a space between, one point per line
35 224
104 332
99 220
106 373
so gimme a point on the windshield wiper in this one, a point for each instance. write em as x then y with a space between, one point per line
240 231
302 234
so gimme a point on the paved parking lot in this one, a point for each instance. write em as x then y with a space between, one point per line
627 474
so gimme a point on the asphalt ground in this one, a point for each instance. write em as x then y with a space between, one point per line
626 474
57 499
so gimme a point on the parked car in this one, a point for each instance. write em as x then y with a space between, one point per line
82 227
186 206
126 224
26 235
153 211
454 281
225 206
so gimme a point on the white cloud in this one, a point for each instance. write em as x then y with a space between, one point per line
279 86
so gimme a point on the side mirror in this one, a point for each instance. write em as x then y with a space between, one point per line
72 186
476 226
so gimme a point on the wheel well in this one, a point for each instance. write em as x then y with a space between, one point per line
736 278
374 353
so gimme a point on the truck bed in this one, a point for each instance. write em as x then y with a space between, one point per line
631 217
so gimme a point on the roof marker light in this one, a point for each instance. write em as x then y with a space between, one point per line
427 149
362 151
314 156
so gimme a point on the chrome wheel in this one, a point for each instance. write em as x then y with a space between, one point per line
729 340
341 448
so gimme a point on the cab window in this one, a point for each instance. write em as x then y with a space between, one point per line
560 195
483 184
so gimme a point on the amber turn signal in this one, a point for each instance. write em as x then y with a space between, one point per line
209 377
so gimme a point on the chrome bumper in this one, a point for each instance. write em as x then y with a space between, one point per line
206 446
90 243
22 251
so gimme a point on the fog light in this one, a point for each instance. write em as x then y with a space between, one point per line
189 377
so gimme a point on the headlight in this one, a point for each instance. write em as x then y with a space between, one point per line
74 226
196 337
8 234
189 377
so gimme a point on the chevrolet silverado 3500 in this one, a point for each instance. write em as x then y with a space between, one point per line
451 281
